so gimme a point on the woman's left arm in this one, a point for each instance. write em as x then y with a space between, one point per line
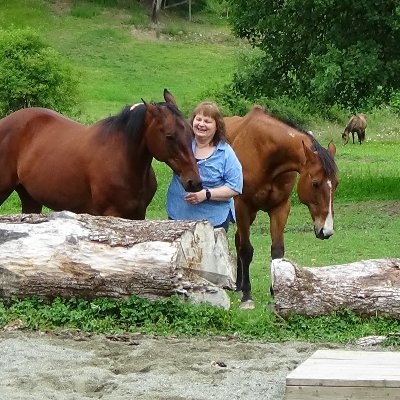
222 193
233 186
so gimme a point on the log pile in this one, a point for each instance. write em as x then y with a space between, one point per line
79 255
368 288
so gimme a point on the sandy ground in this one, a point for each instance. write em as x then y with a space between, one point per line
71 365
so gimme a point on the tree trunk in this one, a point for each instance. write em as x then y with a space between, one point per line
79 255
369 287
156 11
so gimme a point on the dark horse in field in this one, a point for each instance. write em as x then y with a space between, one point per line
102 169
356 124
272 152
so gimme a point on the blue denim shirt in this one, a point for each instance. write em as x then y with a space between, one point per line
221 168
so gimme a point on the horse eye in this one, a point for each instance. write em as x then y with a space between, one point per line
170 138
315 184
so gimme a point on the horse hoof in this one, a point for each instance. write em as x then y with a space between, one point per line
247 305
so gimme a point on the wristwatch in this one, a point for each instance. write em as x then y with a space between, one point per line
208 194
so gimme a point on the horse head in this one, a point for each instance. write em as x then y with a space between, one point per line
317 185
169 139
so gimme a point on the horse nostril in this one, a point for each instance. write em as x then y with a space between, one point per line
194 187
319 233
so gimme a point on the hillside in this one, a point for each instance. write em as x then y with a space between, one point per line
122 58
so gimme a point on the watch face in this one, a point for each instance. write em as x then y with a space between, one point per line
208 194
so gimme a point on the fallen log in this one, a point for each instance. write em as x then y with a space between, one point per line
78 255
368 288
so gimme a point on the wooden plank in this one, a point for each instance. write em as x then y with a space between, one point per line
341 393
341 368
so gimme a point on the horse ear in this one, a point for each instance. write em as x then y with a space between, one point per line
310 155
153 110
169 98
332 149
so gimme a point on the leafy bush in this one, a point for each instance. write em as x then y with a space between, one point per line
33 74
333 52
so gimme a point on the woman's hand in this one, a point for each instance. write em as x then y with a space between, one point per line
196 197
222 193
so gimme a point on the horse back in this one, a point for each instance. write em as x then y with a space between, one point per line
26 126
357 122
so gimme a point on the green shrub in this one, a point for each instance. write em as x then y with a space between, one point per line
33 74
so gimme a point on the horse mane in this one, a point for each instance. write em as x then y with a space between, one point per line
131 122
327 161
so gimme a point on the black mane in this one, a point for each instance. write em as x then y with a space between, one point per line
131 122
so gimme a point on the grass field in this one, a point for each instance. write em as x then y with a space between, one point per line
122 59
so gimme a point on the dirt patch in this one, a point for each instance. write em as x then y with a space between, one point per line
74 366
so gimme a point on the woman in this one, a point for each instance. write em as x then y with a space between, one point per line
220 171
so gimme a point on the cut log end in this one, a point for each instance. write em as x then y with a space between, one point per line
367 287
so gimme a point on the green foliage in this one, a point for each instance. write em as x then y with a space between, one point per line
33 74
330 51
174 316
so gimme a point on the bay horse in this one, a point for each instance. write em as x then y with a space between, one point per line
357 124
102 169
272 152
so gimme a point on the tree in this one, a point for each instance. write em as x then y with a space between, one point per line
156 6
331 51
33 74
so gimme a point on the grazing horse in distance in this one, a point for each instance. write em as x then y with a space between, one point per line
102 169
272 152
357 124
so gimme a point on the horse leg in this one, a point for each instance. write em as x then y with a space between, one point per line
352 134
7 184
28 204
278 218
244 251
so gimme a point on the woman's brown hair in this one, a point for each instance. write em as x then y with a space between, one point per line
209 109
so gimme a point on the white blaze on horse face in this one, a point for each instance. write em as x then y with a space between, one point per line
328 226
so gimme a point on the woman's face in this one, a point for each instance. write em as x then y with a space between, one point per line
204 127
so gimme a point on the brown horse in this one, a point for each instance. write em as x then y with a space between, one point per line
102 169
272 152
357 123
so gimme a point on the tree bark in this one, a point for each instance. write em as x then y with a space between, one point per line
156 11
368 287
79 255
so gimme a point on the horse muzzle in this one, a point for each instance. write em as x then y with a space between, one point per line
192 186
322 233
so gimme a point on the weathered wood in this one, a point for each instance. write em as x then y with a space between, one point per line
66 254
368 287
343 374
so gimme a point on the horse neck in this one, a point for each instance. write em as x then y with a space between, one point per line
289 152
139 154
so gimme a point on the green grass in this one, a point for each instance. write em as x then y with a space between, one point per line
119 65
